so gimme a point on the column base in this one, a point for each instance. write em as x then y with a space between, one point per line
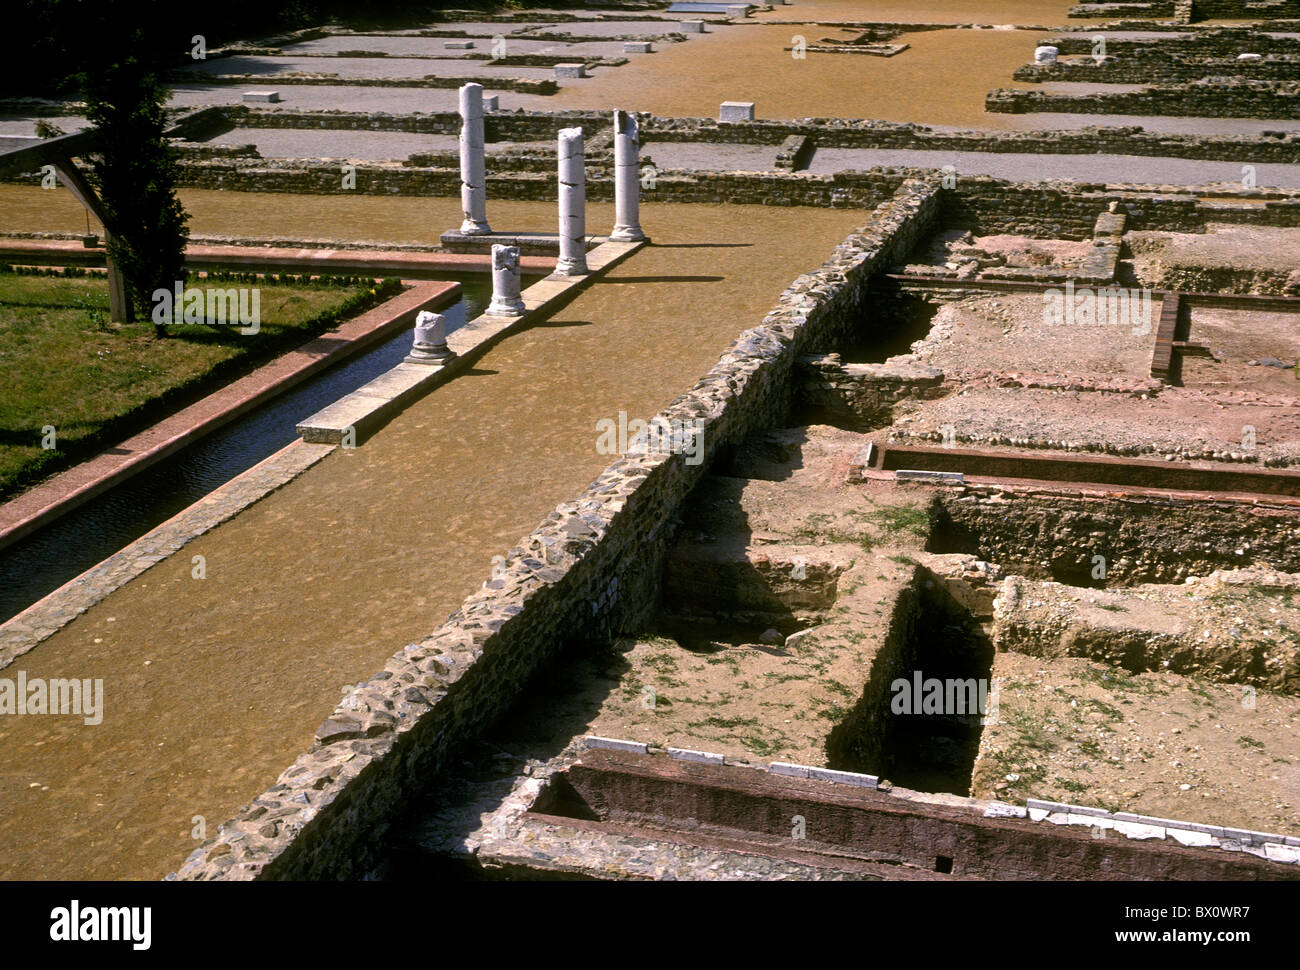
571 267
434 355
506 309
627 234
471 228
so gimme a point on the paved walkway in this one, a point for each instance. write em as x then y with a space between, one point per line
213 686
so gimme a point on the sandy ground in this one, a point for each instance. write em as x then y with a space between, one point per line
213 687
941 80
1013 376
1270 248
1156 744
1238 338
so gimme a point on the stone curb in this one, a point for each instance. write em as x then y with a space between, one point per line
366 409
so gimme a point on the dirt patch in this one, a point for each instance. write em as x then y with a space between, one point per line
1157 744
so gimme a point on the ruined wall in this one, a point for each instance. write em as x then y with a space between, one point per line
522 126
1144 539
1214 97
592 569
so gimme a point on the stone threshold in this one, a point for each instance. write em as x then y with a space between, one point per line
365 410
53 498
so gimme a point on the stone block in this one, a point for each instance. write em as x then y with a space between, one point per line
1045 55
262 96
1003 810
613 744
785 768
843 777
491 102
914 475
686 754
1189 837
1038 804
638 47
736 111
459 45
1249 57
1135 830
737 11
570 70
1282 853
693 27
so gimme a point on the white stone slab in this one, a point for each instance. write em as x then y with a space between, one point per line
1003 810
784 768
570 70
703 757
638 47
262 96
733 111
1188 837
1136 830
613 744
844 777
1282 853
692 27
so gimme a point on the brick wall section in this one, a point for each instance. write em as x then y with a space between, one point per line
591 570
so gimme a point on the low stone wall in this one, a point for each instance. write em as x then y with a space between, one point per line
1054 533
1215 97
520 85
1245 9
862 396
522 126
1161 67
592 570
1216 42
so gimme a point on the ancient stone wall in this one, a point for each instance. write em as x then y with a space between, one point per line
1215 97
1144 539
521 126
590 571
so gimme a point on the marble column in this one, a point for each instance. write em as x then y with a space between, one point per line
430 345
473 167
627 179
506 301
573 204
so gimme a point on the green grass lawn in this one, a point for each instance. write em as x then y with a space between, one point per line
62 363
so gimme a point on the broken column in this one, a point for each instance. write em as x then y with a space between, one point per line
430 345
573 203
1045 55
473 168
506 301
627 183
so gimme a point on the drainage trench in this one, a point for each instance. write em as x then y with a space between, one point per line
919 718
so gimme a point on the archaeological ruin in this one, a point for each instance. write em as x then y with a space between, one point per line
951 527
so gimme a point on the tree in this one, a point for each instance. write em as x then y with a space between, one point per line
135 170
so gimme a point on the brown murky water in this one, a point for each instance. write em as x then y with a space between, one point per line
1030 12
316 585
271 215
941 80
